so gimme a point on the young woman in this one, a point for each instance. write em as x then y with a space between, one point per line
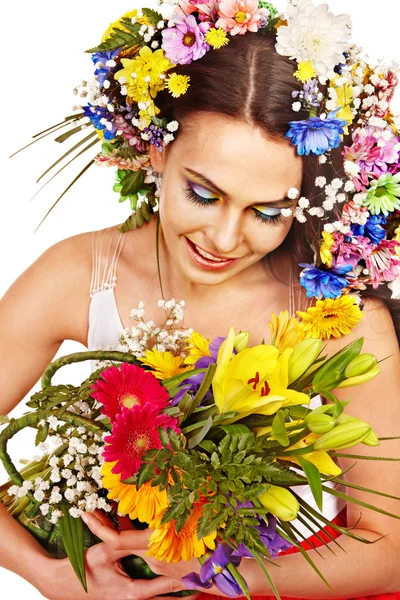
226 248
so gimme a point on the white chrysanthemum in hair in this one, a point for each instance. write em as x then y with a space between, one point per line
313 33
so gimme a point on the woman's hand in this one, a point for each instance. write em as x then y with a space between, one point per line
104 573
133 541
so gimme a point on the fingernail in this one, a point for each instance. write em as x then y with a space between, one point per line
85 518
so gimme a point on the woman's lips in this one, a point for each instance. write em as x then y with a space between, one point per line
213 265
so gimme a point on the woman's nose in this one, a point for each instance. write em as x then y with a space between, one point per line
227 233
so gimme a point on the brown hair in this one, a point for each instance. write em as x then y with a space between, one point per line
248 80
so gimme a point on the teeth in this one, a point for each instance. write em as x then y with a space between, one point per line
209 256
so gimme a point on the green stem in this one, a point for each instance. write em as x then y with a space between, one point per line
82 356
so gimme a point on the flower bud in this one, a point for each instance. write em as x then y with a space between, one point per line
320 423
342 436
358 380
359 365
241 340
371 439
280 502
331 374
303 356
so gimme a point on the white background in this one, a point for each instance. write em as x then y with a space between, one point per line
43 58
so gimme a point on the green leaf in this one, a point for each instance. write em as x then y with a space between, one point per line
164 438
4 419
207 445
42 434
72 531
117 39
145 474
279 432
266 573
313 478
193 441
201 392
237 428
153 16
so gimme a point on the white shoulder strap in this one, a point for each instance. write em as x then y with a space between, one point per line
104 266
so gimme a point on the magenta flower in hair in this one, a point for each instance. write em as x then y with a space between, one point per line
134 432
185 42
316 135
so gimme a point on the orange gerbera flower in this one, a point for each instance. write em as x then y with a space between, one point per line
143 504
167 544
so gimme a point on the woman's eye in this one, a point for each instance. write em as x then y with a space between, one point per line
268 214
202 192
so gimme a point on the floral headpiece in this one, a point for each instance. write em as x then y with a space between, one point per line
347 100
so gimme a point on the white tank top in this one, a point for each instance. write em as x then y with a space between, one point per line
105 327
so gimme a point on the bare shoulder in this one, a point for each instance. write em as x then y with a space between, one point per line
55 289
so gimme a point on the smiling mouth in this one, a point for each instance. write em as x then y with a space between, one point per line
206 259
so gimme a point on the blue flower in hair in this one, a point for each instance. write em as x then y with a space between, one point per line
324 284
316 135
374 228
100 60
101 119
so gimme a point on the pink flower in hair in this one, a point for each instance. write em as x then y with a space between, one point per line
238 16
383 264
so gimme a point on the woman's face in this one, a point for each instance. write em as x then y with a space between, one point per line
224 184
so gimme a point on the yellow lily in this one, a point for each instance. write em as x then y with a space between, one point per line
253 381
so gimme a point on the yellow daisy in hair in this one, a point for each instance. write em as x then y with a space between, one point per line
167 544
285 331
325 248
331 317
216 37
143 20
165 364
177 84
143 504
305 71
198 346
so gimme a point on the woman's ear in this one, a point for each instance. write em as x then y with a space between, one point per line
157 159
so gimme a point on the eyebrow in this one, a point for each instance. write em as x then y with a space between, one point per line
202 179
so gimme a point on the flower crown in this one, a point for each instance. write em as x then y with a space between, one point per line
348 102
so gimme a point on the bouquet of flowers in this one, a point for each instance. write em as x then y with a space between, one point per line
203 441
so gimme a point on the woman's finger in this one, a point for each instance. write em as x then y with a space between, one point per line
145 589
119 540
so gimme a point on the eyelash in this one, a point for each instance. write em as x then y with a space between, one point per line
267 219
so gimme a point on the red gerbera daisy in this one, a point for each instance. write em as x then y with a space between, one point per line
128 386
134 432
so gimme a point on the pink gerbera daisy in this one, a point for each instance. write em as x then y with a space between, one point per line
134 432
238 16
128 386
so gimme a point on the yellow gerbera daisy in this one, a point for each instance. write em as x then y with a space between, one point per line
198 346
165 364
177 84
285 331
331 317
166 544
142 73
118 25
143 504
325 248
216 38
305 71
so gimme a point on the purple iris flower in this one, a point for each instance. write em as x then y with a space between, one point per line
214 570
192 383
374 228
324 284
102 71
316 135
